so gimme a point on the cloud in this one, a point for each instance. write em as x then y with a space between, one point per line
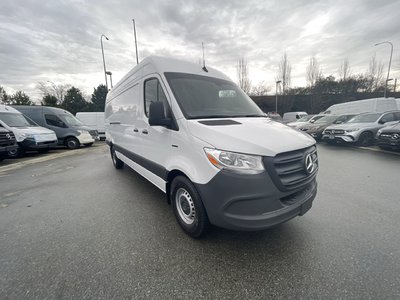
60 40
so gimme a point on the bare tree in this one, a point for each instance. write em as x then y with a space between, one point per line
243 76
313 71
261 89
375 74
284 73
52 89
344 70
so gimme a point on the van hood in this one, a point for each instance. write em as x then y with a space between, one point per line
32 130
259 136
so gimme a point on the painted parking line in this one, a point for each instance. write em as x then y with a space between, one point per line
32 161
378 150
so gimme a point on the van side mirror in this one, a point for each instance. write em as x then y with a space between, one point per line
157 115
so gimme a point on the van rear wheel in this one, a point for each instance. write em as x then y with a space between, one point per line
72 143
188 207
118 164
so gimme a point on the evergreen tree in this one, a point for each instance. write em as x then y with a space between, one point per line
99 98
74 101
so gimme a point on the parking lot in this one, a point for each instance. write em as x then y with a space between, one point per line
72 226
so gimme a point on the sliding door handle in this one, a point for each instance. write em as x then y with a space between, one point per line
144 131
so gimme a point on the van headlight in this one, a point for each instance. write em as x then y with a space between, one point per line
235 162
22 136
83 131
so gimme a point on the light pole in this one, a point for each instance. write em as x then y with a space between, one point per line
390 62
104 61
134 32
109 73
276 96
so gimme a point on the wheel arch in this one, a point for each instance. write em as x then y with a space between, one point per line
170 177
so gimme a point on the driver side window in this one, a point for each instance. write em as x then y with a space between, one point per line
153 92
53 120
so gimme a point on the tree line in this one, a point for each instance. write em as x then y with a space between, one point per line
64 96
321 91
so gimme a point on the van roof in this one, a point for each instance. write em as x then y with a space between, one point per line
160 65
8 109
40 107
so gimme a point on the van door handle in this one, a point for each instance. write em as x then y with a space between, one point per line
144 131
136 130
115 123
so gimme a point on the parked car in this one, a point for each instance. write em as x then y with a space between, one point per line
388 137
199 138
275 116
316 128
94 120
7 142
300 121
69 130
29 135
293 116
310 121
361 129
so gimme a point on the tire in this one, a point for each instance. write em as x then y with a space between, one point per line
88 145
188 207
366 139
72 143
118 164
18 152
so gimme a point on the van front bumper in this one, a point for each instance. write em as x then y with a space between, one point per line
31 144
252 202
8 148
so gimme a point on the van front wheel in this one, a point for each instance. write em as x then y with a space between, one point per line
72 143
188 207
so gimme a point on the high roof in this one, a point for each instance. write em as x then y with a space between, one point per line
160 65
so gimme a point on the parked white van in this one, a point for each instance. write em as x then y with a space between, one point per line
200 139
94 120
293 116
29 135
376 105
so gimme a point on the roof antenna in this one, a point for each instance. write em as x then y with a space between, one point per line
204 61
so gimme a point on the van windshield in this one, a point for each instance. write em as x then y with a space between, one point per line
71 120
208 97
16 120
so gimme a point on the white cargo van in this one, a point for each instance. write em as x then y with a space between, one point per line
29 135
200 139
293 116
94 120
376 105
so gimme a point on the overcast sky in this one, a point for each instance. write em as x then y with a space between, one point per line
59 40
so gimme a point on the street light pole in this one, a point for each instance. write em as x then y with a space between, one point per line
134 32
390 62
276 96
104 61
109 73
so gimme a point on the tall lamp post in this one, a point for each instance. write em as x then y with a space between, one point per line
134 32
109 73
104 61
390 62
276 95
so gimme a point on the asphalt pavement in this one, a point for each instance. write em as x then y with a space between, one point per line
73 227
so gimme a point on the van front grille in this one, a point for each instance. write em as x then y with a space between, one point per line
7 139
289 170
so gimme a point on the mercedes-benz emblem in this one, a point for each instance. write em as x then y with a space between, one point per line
309 164
395 136
8 136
